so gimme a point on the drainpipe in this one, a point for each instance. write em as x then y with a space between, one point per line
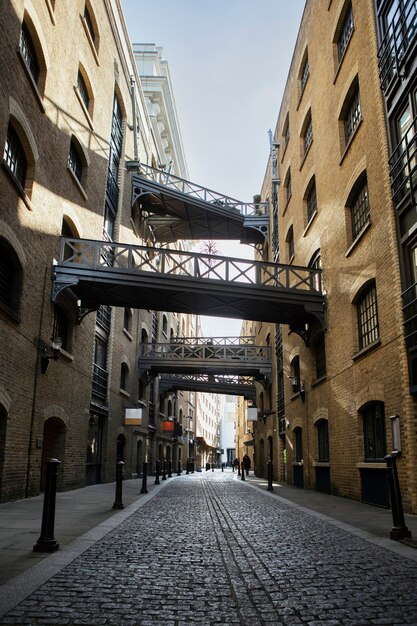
135 120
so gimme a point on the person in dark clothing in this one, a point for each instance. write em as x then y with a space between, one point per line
246 464
235 464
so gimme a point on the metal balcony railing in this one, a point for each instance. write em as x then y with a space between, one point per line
205 350
403 166
409 297
194 191
399 36
241 381
87 254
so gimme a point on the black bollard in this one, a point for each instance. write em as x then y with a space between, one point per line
212 467
238 468
270 487
157 472
169 468
164 470
179 468
243 472
144 478
222 467
399 529
118 504
46 541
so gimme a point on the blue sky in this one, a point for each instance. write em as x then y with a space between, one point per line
229 61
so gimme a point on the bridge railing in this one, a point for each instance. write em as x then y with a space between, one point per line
181 185
94 255
245 381
205 351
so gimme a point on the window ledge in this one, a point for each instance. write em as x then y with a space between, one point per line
302 92
284 150
372 346
32 83
90 40
321 464
286 205
371 465
124 393
297 463
358 238
349 143
77 183
127 333
311 220
67 356
84 108
22 193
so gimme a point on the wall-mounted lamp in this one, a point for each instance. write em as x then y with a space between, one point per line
395 434
50 352
298 387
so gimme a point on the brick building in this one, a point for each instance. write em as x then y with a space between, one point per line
340 389
72 111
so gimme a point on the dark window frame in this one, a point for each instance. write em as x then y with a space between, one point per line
374 431
75 161
28 52
323 440
360 209
14 156
367 312
353 114
345 32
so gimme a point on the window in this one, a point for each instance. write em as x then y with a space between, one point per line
10 277
319 348
27 49
290 243
14 156
374 431
323 440
127 319
287 185
100 373
360 213
307 134
75 161
83 91
311 200
286 131
352 115
124 375
295 374
298 434
305 73
368 317
61 327
345 32
89 23
315 264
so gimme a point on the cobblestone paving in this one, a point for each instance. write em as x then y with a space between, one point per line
211 550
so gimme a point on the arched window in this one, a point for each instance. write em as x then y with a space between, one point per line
77 163
91 29
319 349
367 311
304 72
298 434
165 325
351 113
124 375
290 243
344 30
286 131
358 205
307 133
27 49
287 186
10 278
295 374
61 327
374 435
15 157
127 319
315 264
84 91
323 440
311 199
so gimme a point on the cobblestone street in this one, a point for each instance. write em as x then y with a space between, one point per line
209 549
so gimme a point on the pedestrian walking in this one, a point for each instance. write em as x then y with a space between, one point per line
235 464
246 464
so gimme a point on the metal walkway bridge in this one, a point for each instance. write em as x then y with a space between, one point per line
172 208
212 383
143 277
218 355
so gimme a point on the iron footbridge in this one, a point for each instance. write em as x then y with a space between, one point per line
212 383
172 208
160 279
